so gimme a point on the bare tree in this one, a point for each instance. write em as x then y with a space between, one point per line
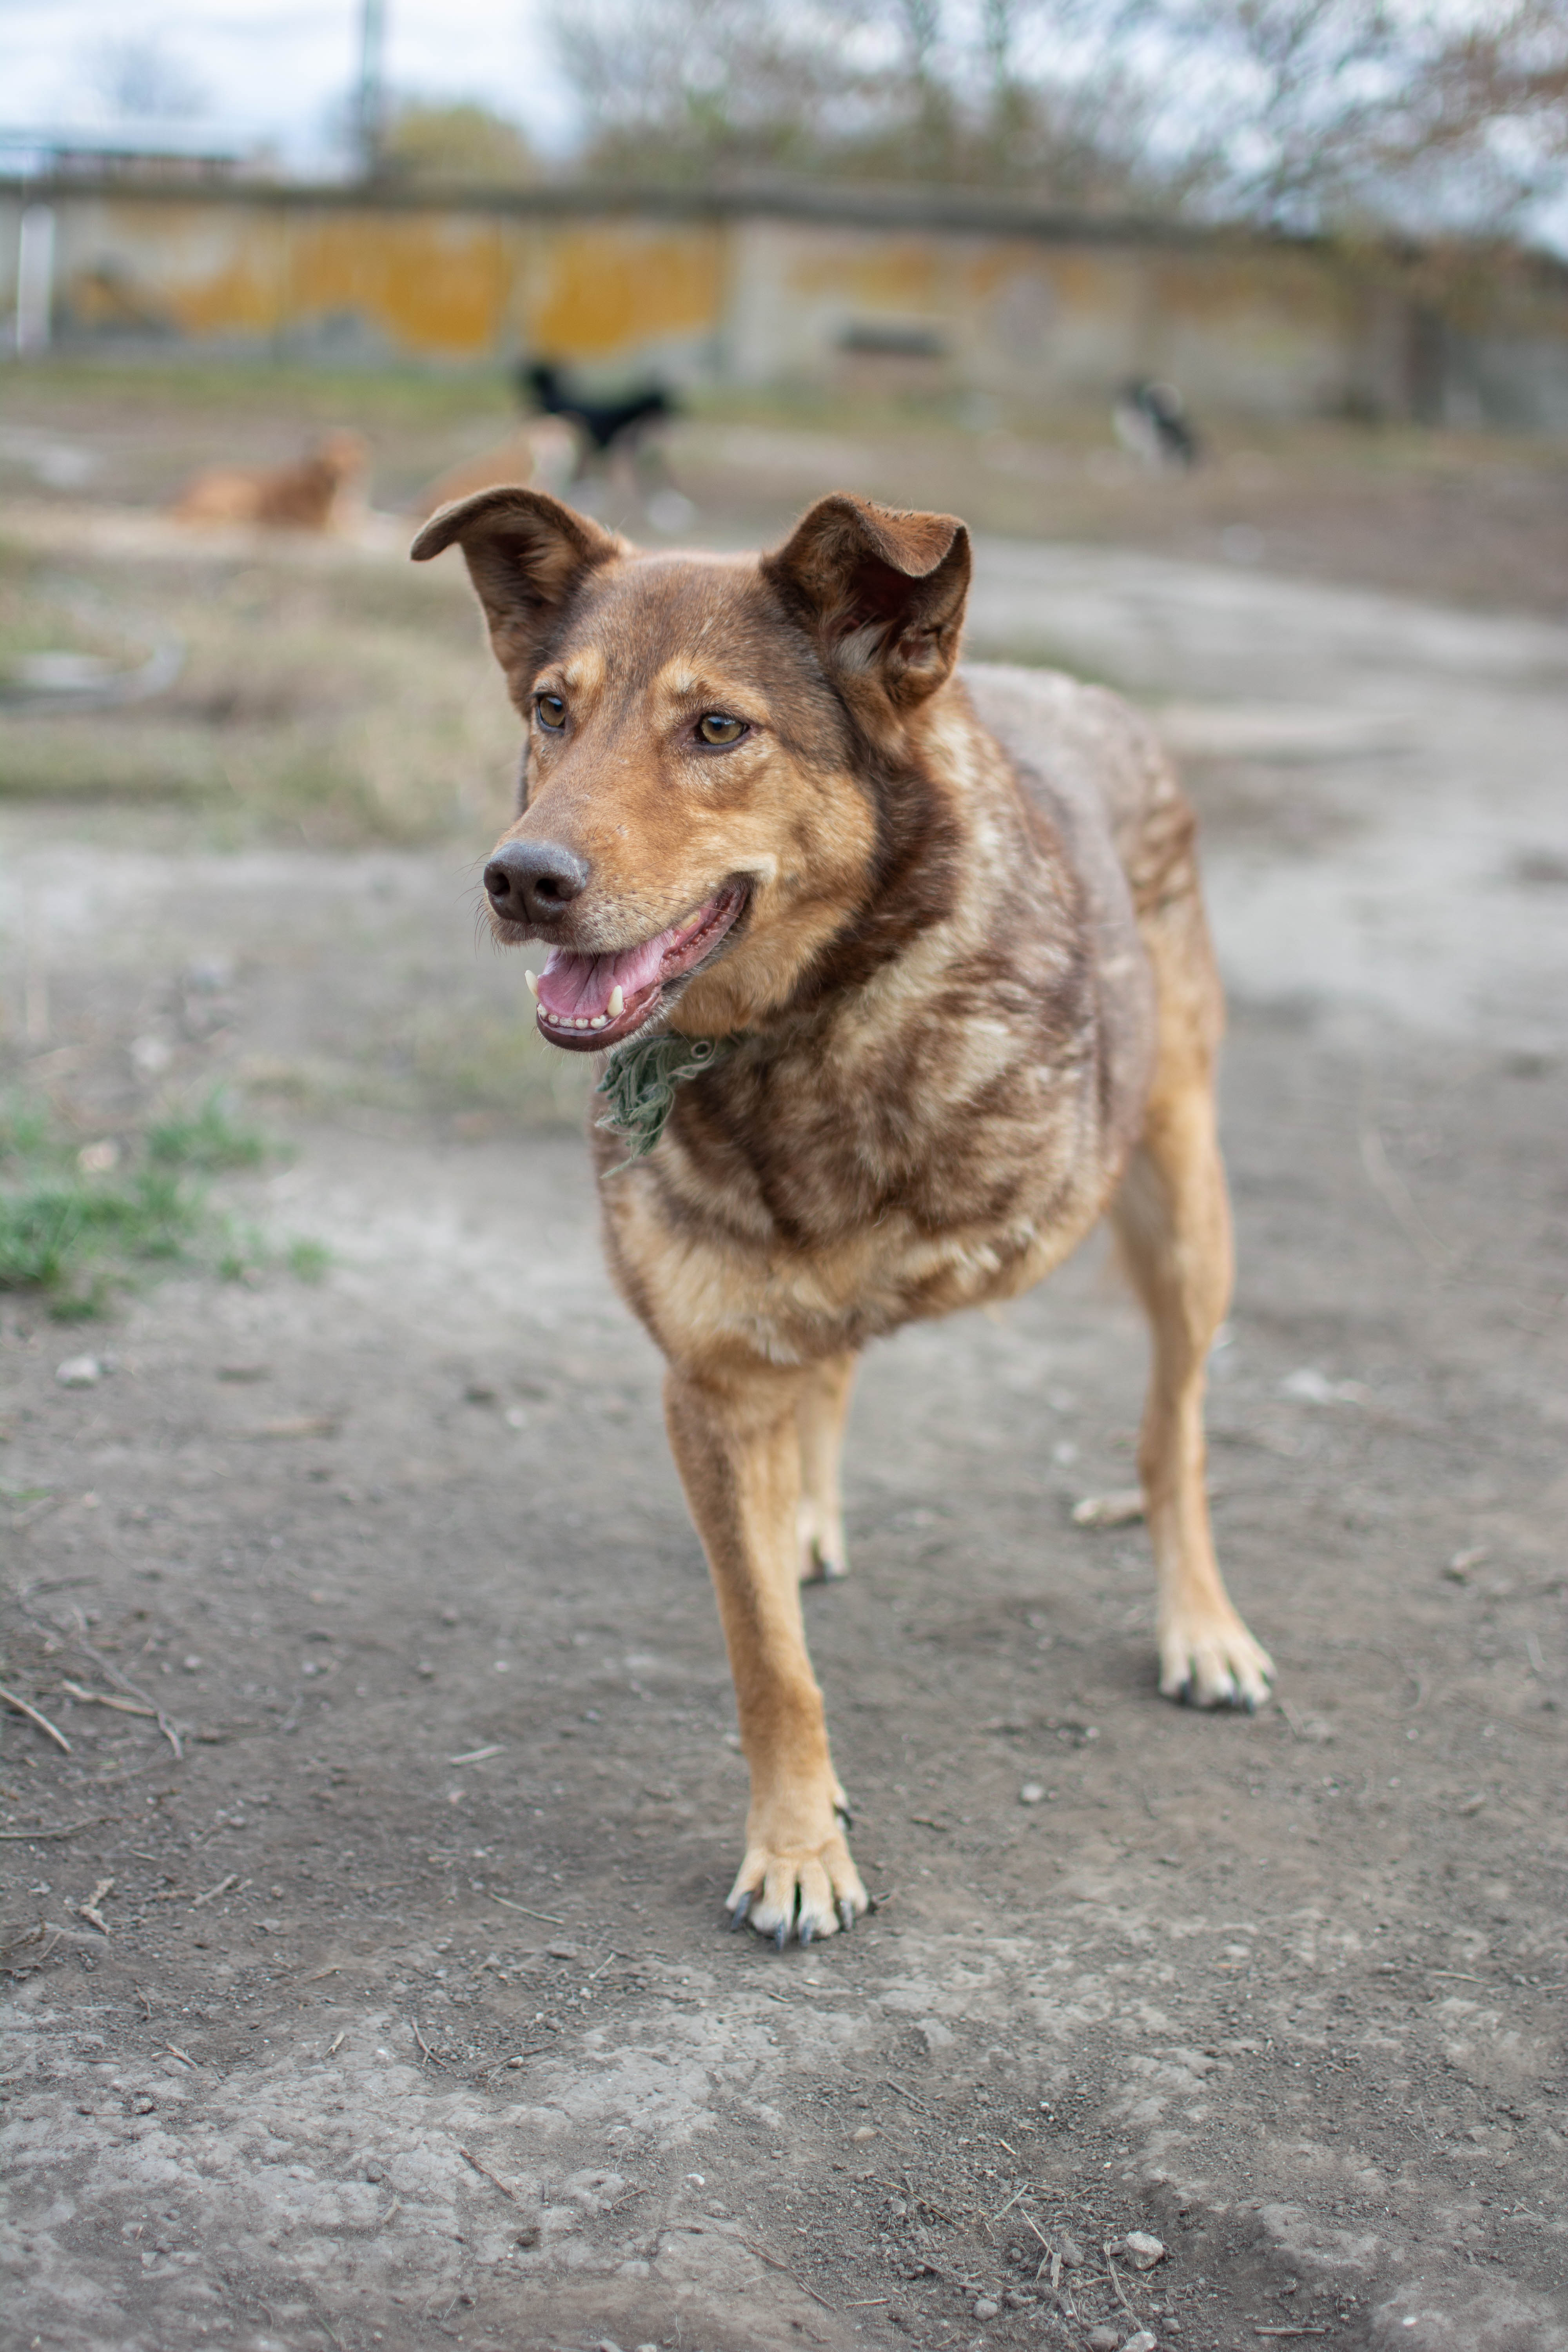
1319 113
676 85
932 112
139 76
1308 114
1487 117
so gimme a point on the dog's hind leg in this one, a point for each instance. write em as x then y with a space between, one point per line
821 1413
736 1440
1173 1220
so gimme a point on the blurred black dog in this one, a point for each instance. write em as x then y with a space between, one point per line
1151 421
607 428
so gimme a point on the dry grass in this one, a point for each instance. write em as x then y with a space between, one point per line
474 1071
350 701
349 704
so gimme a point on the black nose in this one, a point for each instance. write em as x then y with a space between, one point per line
534 881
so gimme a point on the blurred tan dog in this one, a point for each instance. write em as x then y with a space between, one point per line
907 981
540 456
321 492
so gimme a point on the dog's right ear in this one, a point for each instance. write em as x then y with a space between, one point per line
526 555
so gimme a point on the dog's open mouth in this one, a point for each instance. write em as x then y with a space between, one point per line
589 1002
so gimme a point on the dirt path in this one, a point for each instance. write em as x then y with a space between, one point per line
405 2017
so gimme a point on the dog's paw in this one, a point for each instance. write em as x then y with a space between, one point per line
803 1891
1213 1660
823 1552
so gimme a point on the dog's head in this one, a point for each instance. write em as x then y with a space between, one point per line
724 780
344 455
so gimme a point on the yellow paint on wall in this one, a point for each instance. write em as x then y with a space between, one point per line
186 268
433 283
1096 281
1276 291
602 290
1273 327
1088 285
901 274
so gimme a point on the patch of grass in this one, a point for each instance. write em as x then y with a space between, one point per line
76 1227
210 1139
306 1260
76 1238
25 1129
193 387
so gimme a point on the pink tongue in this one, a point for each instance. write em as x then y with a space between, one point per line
576 987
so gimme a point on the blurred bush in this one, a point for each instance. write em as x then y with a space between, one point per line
456 144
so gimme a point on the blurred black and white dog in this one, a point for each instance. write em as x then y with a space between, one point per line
1151 421
608 426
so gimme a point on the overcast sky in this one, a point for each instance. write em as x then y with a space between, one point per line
278 70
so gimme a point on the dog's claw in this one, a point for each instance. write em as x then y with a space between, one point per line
781 1935
738 1915
1215 1664
806 1932
845 1815
845 1913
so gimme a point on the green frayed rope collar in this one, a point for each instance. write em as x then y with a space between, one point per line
639 1085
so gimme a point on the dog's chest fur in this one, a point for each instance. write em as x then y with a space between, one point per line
948 1131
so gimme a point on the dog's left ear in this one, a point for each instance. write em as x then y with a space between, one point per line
883 592
526 555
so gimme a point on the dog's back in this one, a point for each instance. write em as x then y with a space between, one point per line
543 452
1097 773
1096 768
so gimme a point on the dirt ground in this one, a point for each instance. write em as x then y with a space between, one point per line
368 1980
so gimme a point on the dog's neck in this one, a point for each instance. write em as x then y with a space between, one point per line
943 799
967 963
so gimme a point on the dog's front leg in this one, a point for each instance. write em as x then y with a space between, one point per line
736 1442
821 1410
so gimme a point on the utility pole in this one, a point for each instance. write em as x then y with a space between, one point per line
370 108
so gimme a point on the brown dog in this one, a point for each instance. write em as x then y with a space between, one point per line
921 984
541 454
319 493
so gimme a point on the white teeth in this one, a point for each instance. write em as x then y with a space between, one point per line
598 1021
532 979
617 1004
579 1023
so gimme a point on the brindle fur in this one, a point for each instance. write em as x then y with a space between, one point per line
978 1008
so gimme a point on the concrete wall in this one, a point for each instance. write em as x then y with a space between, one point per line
832 286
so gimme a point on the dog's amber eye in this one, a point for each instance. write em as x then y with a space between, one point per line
714 727
552 712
